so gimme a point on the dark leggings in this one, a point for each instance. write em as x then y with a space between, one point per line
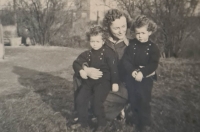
114 103
140 97
99 91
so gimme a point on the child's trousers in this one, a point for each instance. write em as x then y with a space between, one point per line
139 94
100 91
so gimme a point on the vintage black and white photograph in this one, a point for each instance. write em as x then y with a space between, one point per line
99 65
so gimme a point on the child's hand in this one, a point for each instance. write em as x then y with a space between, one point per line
83 74
115 87
139 77
134 74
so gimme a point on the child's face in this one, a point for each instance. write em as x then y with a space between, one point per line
96 42
142 34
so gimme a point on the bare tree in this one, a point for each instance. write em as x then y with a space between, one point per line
44 18
128 5
175 19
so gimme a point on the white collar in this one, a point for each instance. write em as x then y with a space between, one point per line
126 41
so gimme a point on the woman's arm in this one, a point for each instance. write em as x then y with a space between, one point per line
111 60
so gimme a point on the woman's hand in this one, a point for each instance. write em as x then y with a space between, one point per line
83 74
139 77
115 87
93 72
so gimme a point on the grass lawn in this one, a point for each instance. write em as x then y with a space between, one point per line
36 93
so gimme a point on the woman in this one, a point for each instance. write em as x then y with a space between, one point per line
116 24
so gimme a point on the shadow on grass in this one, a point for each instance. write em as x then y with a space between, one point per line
55 91
175 106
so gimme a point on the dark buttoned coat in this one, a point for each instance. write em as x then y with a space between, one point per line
104 59
141 56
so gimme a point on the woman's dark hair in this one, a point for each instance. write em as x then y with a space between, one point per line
141 21
96 30
112 15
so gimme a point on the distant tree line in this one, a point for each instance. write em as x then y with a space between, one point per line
175 18
46 21
50 22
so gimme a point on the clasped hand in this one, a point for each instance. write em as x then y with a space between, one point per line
137 75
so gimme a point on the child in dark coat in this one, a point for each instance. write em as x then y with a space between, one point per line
103 58
140 60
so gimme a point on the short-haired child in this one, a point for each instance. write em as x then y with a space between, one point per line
103 58
141 60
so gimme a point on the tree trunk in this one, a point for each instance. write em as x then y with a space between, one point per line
2 52
98 18
15 17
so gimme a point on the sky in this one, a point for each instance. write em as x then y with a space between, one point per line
3 2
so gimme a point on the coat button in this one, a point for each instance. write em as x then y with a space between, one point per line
147 53
89 59
101 53
150 44
148 49
100 58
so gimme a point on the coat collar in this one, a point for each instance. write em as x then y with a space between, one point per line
126 41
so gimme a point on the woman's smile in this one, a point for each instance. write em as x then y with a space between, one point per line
118 27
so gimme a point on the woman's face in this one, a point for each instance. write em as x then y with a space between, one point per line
118 27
